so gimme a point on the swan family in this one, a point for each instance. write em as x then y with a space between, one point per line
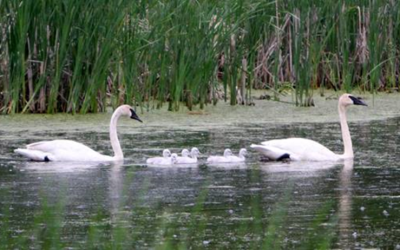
294 149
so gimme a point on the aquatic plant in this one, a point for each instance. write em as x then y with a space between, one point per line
74 56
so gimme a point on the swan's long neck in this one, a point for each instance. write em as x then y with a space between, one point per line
118 155
348 146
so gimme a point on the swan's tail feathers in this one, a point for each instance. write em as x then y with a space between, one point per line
272 153
33 155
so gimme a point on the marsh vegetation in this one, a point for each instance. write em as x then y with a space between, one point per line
80 56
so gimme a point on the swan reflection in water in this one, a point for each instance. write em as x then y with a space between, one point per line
345 205
116 185
117 181
303 170
80 178
298 169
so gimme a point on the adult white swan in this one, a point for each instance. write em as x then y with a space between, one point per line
299 149
66 150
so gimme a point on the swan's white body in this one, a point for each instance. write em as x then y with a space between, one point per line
185 159
155 160
72 151
299 149
220 159
61 150
239 158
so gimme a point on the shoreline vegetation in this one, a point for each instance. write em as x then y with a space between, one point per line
265 113
81 56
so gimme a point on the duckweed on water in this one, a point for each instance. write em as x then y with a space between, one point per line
380 106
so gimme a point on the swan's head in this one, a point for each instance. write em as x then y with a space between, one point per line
185 152
195 152
134 116
174 158
227 152
347 99
128 111
166 153
242 152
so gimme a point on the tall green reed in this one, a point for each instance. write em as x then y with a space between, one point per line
74 56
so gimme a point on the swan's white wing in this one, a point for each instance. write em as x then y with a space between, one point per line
299 149
49 146
273 153
61 150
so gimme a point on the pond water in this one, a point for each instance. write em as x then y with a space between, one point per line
344 205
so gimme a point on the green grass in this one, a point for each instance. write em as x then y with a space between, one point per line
80 56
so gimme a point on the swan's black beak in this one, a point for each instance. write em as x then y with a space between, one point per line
357 101
135 116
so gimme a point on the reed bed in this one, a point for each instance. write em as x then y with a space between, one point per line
80 56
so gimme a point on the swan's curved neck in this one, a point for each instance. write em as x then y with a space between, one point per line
118 155
348 146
